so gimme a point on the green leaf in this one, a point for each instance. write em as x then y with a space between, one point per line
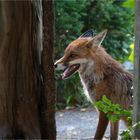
113 118
129 4
131 56
106 100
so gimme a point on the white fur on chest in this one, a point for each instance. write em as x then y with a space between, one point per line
88 93
87 80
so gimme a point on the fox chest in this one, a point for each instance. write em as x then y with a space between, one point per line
88 87
94 91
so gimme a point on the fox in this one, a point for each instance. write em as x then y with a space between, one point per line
100 75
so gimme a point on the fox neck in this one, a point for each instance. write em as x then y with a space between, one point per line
90 75
92 72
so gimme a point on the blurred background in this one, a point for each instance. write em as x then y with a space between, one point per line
72 18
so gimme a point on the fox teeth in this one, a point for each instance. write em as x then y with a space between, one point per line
63 74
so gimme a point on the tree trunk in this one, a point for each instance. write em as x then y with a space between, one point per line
21 81
48 106
136 113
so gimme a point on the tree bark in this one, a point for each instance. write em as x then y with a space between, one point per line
21 81
48 99
136 114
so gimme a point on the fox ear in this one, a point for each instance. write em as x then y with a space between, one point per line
88 33
98 39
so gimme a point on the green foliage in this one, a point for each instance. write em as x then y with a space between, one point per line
129 3
131 56
127 134
68 23
114 111
72 18
109 14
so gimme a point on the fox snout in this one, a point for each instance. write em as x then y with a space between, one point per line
68 67
60 65
55 65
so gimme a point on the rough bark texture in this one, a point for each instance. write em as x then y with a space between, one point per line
136 115
21 103
48 72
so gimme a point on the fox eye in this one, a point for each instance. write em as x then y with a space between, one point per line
72 55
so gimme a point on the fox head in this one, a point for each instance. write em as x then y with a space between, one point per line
80 53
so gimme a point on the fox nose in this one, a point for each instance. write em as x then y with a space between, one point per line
55 65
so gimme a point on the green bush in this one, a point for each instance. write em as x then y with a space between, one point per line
114 113
111 15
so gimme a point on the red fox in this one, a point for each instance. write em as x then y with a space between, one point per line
100 75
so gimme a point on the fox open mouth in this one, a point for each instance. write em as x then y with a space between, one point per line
70 70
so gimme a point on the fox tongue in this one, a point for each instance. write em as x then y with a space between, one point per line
70 70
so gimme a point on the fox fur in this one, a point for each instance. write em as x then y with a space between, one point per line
100 75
